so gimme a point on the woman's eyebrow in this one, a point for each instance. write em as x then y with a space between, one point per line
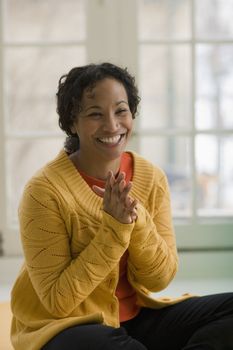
122 101
92 107
98 107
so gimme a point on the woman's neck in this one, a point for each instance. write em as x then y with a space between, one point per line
97 169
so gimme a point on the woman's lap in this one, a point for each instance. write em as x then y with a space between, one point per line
196 323
176 326
93 336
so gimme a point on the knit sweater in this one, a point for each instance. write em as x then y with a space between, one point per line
72 249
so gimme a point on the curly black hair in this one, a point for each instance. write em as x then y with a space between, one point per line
72 86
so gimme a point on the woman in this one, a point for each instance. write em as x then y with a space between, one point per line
97 237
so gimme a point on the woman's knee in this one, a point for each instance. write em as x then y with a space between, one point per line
120 340
96 336
214 335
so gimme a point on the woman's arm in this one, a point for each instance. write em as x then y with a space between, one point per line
153 259
60 281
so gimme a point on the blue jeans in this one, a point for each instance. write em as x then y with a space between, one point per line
198 323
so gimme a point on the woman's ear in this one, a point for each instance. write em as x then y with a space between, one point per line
73 129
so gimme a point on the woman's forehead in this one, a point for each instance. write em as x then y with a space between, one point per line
108 87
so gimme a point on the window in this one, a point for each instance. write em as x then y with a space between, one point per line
186 79
39 44
181 52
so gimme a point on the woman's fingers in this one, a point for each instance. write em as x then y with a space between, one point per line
98 190
125 192
116 199
133 205
120 177
119 184
108 187
132 208
122 185
111 178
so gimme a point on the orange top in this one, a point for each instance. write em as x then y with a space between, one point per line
124 291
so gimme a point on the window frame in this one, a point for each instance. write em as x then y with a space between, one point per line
10 231
196 232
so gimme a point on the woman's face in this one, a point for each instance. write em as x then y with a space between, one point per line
105 122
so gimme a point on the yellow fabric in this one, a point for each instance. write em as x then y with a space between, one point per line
72 251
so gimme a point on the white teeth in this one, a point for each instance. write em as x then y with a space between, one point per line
114 139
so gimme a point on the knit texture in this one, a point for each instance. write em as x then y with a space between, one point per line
72 251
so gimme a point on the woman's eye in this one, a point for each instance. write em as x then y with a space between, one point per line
94 115
121 111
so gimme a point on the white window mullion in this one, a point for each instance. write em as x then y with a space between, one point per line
102 31
112 32
128 49
193 82
128 35
112 37
2 137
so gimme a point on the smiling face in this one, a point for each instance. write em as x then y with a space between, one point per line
104 123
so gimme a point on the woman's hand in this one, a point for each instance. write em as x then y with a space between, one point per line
116 199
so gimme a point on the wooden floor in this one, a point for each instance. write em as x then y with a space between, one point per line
5 323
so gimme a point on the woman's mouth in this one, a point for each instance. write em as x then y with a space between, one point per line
111 141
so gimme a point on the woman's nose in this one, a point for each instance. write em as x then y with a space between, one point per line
110 123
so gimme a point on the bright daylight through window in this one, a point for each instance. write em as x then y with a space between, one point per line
186 55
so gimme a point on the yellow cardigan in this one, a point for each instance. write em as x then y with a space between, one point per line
72 251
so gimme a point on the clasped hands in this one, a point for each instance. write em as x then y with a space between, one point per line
116 199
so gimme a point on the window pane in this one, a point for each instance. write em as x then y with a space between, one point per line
165 81
214 163
214 19
167 19
44 20
173 156
214 88
24 158
32 76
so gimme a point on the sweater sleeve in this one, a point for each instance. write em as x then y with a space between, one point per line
60 281
153 259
